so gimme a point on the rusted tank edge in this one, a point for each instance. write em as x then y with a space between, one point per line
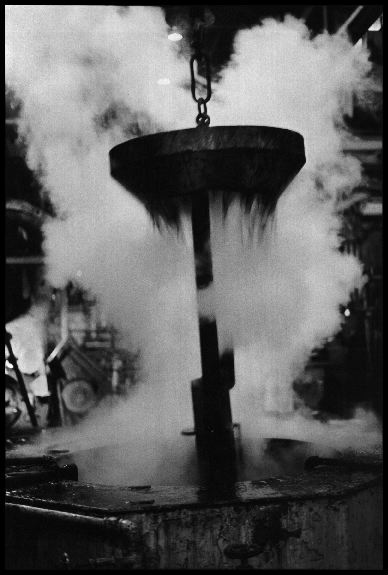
197 500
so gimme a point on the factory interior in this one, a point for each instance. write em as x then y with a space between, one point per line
193 287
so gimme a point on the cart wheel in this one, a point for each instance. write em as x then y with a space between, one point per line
79 396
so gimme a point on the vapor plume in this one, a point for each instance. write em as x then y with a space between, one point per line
87 79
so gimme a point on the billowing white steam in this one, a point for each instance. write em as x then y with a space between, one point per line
281 302
87 77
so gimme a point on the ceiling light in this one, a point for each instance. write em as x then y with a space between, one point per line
175 36
376 26
164 81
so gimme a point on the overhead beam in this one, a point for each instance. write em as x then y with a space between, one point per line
363 145
25 260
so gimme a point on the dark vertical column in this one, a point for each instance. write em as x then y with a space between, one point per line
211 401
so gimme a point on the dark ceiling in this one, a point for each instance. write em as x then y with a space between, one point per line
224 20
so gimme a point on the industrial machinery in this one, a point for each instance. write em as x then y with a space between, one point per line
182 173
322 518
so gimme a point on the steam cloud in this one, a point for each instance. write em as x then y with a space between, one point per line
87 78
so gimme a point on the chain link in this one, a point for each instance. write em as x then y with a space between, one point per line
202 58
202 119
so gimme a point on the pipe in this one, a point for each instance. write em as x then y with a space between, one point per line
325 16
350 19
120 525
25 260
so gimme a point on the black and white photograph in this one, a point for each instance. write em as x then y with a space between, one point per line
193 287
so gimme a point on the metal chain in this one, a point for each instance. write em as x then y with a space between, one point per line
202 119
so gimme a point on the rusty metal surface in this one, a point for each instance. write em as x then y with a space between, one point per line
49 537
326 518
100 499
299 534
332 520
